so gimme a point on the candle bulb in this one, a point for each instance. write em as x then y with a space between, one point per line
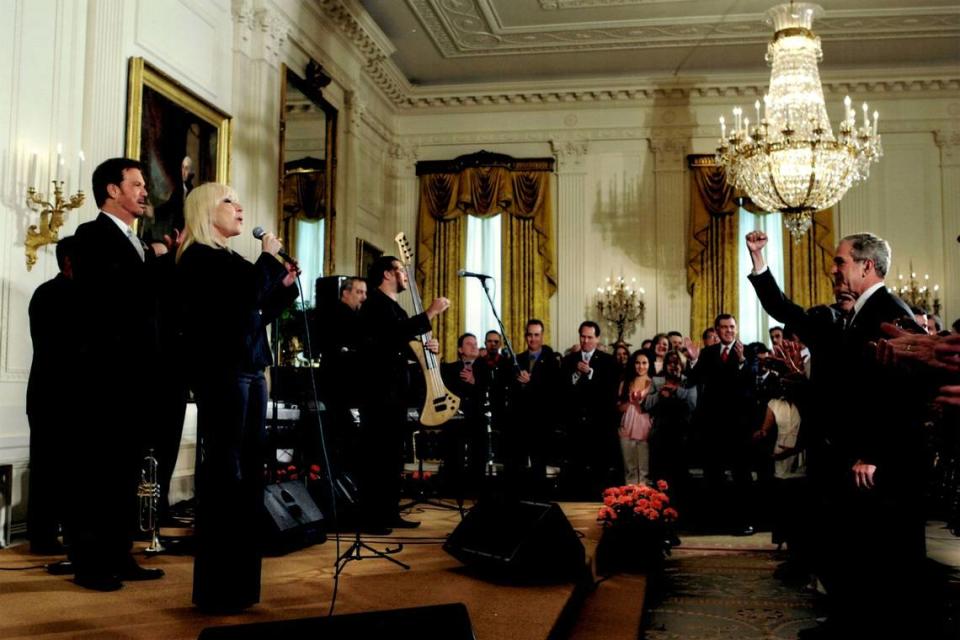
32 177
876 115
80 171
756 105
848 113
723 128
59 159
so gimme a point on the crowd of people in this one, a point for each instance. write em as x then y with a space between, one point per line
821 428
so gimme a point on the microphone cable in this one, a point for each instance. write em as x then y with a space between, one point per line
323 441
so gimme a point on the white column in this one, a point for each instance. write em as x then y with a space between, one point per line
571 255
104 89
259 34
949 143
350 176
672 213
405 189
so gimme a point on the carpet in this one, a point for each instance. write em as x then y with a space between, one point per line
720 589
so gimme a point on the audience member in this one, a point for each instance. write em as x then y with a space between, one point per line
635 423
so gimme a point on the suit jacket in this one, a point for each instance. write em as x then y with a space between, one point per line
119 292
53 313
386 332
592 398
885 406
537 399
227 304
472 396
722 390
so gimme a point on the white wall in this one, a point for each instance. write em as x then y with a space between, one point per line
621 189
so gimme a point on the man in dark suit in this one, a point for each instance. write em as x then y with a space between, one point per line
386 333
528 429
50 401
118 346
871 527
589 381
466 440
723 421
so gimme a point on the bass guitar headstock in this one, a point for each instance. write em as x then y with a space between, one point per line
404 251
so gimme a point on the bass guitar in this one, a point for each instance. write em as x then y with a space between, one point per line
440 405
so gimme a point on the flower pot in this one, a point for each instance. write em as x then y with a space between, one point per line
631 547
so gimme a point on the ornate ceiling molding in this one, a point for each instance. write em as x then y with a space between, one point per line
472 28
493 97
386 77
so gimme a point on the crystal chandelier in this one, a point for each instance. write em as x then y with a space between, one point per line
788 160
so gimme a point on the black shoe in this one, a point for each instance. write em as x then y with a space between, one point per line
62 568
134 573
400 523
746 531
98 582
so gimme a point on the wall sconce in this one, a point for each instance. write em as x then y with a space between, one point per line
919 295
621 305
51 212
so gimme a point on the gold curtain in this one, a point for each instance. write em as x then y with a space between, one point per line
529 276
806 264
712 245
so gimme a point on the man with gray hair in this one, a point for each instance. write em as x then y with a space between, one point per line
875 517
869 526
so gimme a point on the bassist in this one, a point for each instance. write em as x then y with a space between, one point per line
386 331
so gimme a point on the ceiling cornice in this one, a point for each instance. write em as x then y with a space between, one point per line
473 28
383 73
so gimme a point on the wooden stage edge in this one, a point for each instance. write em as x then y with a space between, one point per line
300 585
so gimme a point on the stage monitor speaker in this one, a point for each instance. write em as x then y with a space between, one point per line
327 291
293 520
518 538
437 622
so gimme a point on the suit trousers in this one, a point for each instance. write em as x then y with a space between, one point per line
231 416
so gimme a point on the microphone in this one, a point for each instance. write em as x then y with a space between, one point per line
463 273
258 233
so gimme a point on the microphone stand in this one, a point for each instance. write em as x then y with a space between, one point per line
506 338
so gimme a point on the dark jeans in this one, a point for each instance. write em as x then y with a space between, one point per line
231 415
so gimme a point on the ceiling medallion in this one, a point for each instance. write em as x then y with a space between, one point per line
788 160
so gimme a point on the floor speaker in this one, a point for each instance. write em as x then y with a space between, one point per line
438 622
519 539
293 520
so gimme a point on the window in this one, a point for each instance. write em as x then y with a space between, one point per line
753 323
483 256
309 253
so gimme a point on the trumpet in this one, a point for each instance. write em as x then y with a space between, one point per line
149 494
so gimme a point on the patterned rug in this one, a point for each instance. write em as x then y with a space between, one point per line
725 589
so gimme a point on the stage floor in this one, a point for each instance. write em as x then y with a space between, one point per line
300 584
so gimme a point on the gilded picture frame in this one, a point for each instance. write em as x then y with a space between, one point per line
182 141
366 254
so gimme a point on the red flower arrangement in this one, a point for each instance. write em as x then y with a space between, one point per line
636 503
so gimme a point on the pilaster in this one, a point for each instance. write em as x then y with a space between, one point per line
572 207
949 144
672 301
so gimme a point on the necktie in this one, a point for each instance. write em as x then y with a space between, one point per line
724 353
531 361
135 241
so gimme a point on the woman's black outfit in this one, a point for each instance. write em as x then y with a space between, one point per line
228 303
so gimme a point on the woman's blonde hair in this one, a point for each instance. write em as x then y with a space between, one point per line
198 215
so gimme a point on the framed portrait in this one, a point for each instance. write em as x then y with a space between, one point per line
181 140
366 254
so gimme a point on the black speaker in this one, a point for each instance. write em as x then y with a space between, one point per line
438 622
519 539
292 518
327 291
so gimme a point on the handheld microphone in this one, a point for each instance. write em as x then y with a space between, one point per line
463 273
258 233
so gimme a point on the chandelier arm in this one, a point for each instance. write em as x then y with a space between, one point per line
773 183
813 175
